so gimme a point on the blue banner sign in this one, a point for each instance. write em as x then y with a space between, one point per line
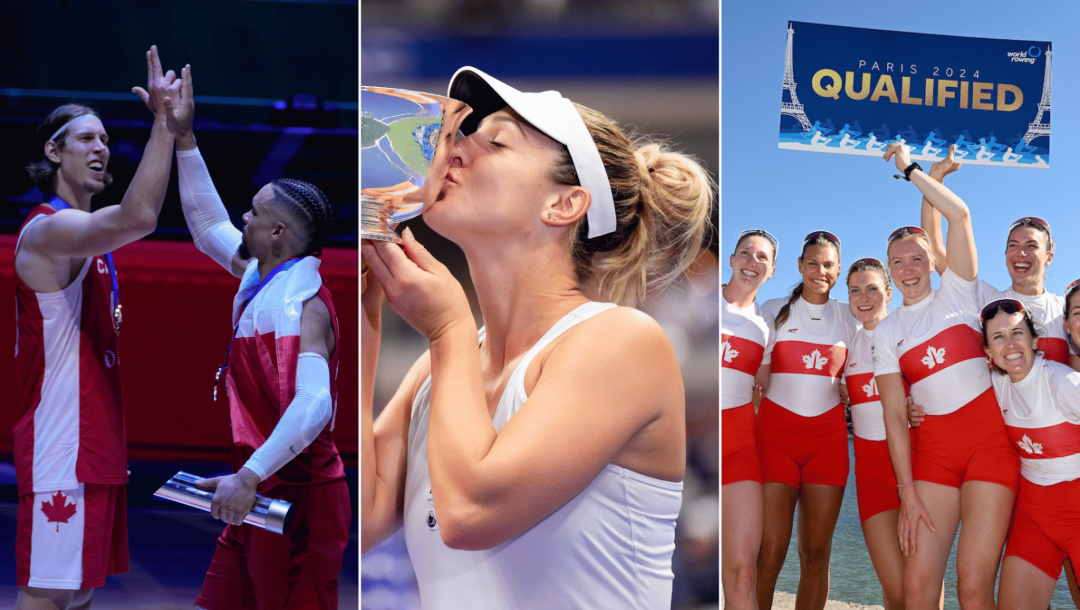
860 90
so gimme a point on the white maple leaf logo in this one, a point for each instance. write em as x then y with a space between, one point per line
1031 447
815 360
870 388
730 353
934 356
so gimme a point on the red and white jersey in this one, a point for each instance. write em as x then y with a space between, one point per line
69 427
261 377
867 416
744 335
937 345
1042 415
1048 311
807 354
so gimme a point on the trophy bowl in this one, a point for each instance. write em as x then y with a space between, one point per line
405 142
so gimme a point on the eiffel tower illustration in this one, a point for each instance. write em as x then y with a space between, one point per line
795 109
1038 128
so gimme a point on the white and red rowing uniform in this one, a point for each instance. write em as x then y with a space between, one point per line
261 377
1048 311
69 425
867 415
937 345
807 354
744 335
1042 415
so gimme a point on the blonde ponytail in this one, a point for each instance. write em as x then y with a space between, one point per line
662 205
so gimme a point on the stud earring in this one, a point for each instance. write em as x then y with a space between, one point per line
550 216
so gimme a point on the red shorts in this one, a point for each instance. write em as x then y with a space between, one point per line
253 568
969 444
71 538
1046 526
794 449
875 479
739 457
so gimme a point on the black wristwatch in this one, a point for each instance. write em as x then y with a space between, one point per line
907 171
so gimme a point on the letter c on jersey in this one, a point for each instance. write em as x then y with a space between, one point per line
101 268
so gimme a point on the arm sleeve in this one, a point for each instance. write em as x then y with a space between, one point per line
303 420
204 212
962 294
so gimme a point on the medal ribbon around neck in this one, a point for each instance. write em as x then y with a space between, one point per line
59 204
236 329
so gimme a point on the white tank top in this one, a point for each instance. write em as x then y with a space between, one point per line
1042 413
610 546
744 335
807 354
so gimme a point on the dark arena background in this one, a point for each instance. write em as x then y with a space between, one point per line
276 93
652 66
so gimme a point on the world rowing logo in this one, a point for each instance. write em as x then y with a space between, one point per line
431 522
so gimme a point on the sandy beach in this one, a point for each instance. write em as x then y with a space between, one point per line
786 601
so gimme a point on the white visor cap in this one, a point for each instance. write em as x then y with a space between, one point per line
555 116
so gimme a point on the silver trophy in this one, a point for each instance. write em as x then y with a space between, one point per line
269 514
405 143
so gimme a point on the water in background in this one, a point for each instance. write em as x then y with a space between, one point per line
853 577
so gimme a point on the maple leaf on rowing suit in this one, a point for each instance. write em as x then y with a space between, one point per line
1030 446
870 388
58 510
815 360
730 353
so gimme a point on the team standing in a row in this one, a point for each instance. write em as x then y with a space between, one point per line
979 442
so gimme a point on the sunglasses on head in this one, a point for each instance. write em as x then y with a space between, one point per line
827 235
866 262
1071 287
906 231
1030 220
1009 306
765 234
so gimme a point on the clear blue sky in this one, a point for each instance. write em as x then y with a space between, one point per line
791 193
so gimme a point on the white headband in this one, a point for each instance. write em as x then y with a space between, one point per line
555 116
65 126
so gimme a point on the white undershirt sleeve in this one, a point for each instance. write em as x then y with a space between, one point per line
204 212
306 416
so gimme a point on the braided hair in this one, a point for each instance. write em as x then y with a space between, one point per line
308 205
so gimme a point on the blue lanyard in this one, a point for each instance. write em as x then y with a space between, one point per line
59 204
266 280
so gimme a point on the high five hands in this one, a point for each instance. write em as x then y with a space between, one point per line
162 93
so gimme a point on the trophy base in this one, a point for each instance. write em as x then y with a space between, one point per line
380 236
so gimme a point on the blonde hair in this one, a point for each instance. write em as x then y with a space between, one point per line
662 205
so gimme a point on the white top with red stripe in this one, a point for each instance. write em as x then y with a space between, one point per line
807 354
1048 311
69 423
744 335
1042 413
937 345
867 416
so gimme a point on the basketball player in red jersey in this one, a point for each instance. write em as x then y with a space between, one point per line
280 372
70 457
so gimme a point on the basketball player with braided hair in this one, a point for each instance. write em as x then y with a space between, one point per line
281 406
69 447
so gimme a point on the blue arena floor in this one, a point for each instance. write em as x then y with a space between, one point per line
170 545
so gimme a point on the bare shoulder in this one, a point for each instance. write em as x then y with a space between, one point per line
625 337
